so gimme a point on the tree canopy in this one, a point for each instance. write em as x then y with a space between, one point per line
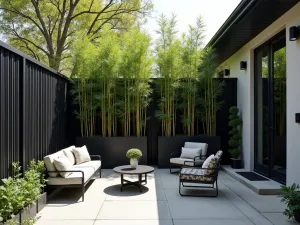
45 29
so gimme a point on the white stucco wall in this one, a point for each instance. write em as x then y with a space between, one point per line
245 98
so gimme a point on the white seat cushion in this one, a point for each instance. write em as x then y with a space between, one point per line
190 153
87 168
81 155
95 164
189 162
203 146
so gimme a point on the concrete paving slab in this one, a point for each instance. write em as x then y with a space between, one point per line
245 208
262 203
65 222
150 192
201 207
134 210
213 222
161 204
133 222
279 219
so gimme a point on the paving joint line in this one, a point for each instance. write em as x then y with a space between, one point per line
246 203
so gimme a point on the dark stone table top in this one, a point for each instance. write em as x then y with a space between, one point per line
141 169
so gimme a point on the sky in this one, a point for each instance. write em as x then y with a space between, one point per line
213 12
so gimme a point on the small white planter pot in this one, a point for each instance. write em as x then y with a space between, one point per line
134 163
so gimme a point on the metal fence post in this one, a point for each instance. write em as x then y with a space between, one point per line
21 114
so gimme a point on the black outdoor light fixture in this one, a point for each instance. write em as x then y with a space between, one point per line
243 65
227 72
221 74
297 115
294 33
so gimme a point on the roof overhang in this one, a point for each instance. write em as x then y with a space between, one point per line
249 19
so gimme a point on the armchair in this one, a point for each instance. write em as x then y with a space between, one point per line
198 175
177 159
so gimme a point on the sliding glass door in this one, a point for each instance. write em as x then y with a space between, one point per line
270 108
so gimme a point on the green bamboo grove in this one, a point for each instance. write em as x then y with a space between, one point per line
136 72
210 90
113 76
190 54
168 49
84 89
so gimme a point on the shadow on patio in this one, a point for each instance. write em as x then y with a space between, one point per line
160 204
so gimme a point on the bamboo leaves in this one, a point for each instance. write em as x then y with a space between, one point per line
112 80
191 50
210 90
84 64
106 75
136 72
169 71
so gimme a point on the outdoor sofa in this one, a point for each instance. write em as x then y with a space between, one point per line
72 167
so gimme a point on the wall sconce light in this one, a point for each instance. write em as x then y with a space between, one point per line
221 74
294 33
297 117
243 65
227 72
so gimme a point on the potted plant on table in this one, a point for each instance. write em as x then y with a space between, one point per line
291 197
235 138
134 154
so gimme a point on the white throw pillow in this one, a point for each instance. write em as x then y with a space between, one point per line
49 162
69 154
63 164
81 155
203 146
207 161
210 163
190 153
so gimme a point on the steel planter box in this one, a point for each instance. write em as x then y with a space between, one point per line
113 149
28 212
41 202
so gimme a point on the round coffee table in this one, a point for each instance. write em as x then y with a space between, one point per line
127 170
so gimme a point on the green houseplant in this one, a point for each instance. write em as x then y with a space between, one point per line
18 195
134 154
291 197
235 137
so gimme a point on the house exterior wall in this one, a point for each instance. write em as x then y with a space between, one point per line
245 91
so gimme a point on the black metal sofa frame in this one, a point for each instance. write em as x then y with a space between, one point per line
83 184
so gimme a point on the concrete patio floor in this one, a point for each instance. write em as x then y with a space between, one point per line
161 204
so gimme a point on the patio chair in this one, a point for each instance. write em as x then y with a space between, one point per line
196 155
202 177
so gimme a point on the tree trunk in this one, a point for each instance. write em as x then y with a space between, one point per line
54 61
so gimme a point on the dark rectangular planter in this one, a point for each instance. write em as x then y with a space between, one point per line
41 202
28 212
113 149
236 163
16 218
166 145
